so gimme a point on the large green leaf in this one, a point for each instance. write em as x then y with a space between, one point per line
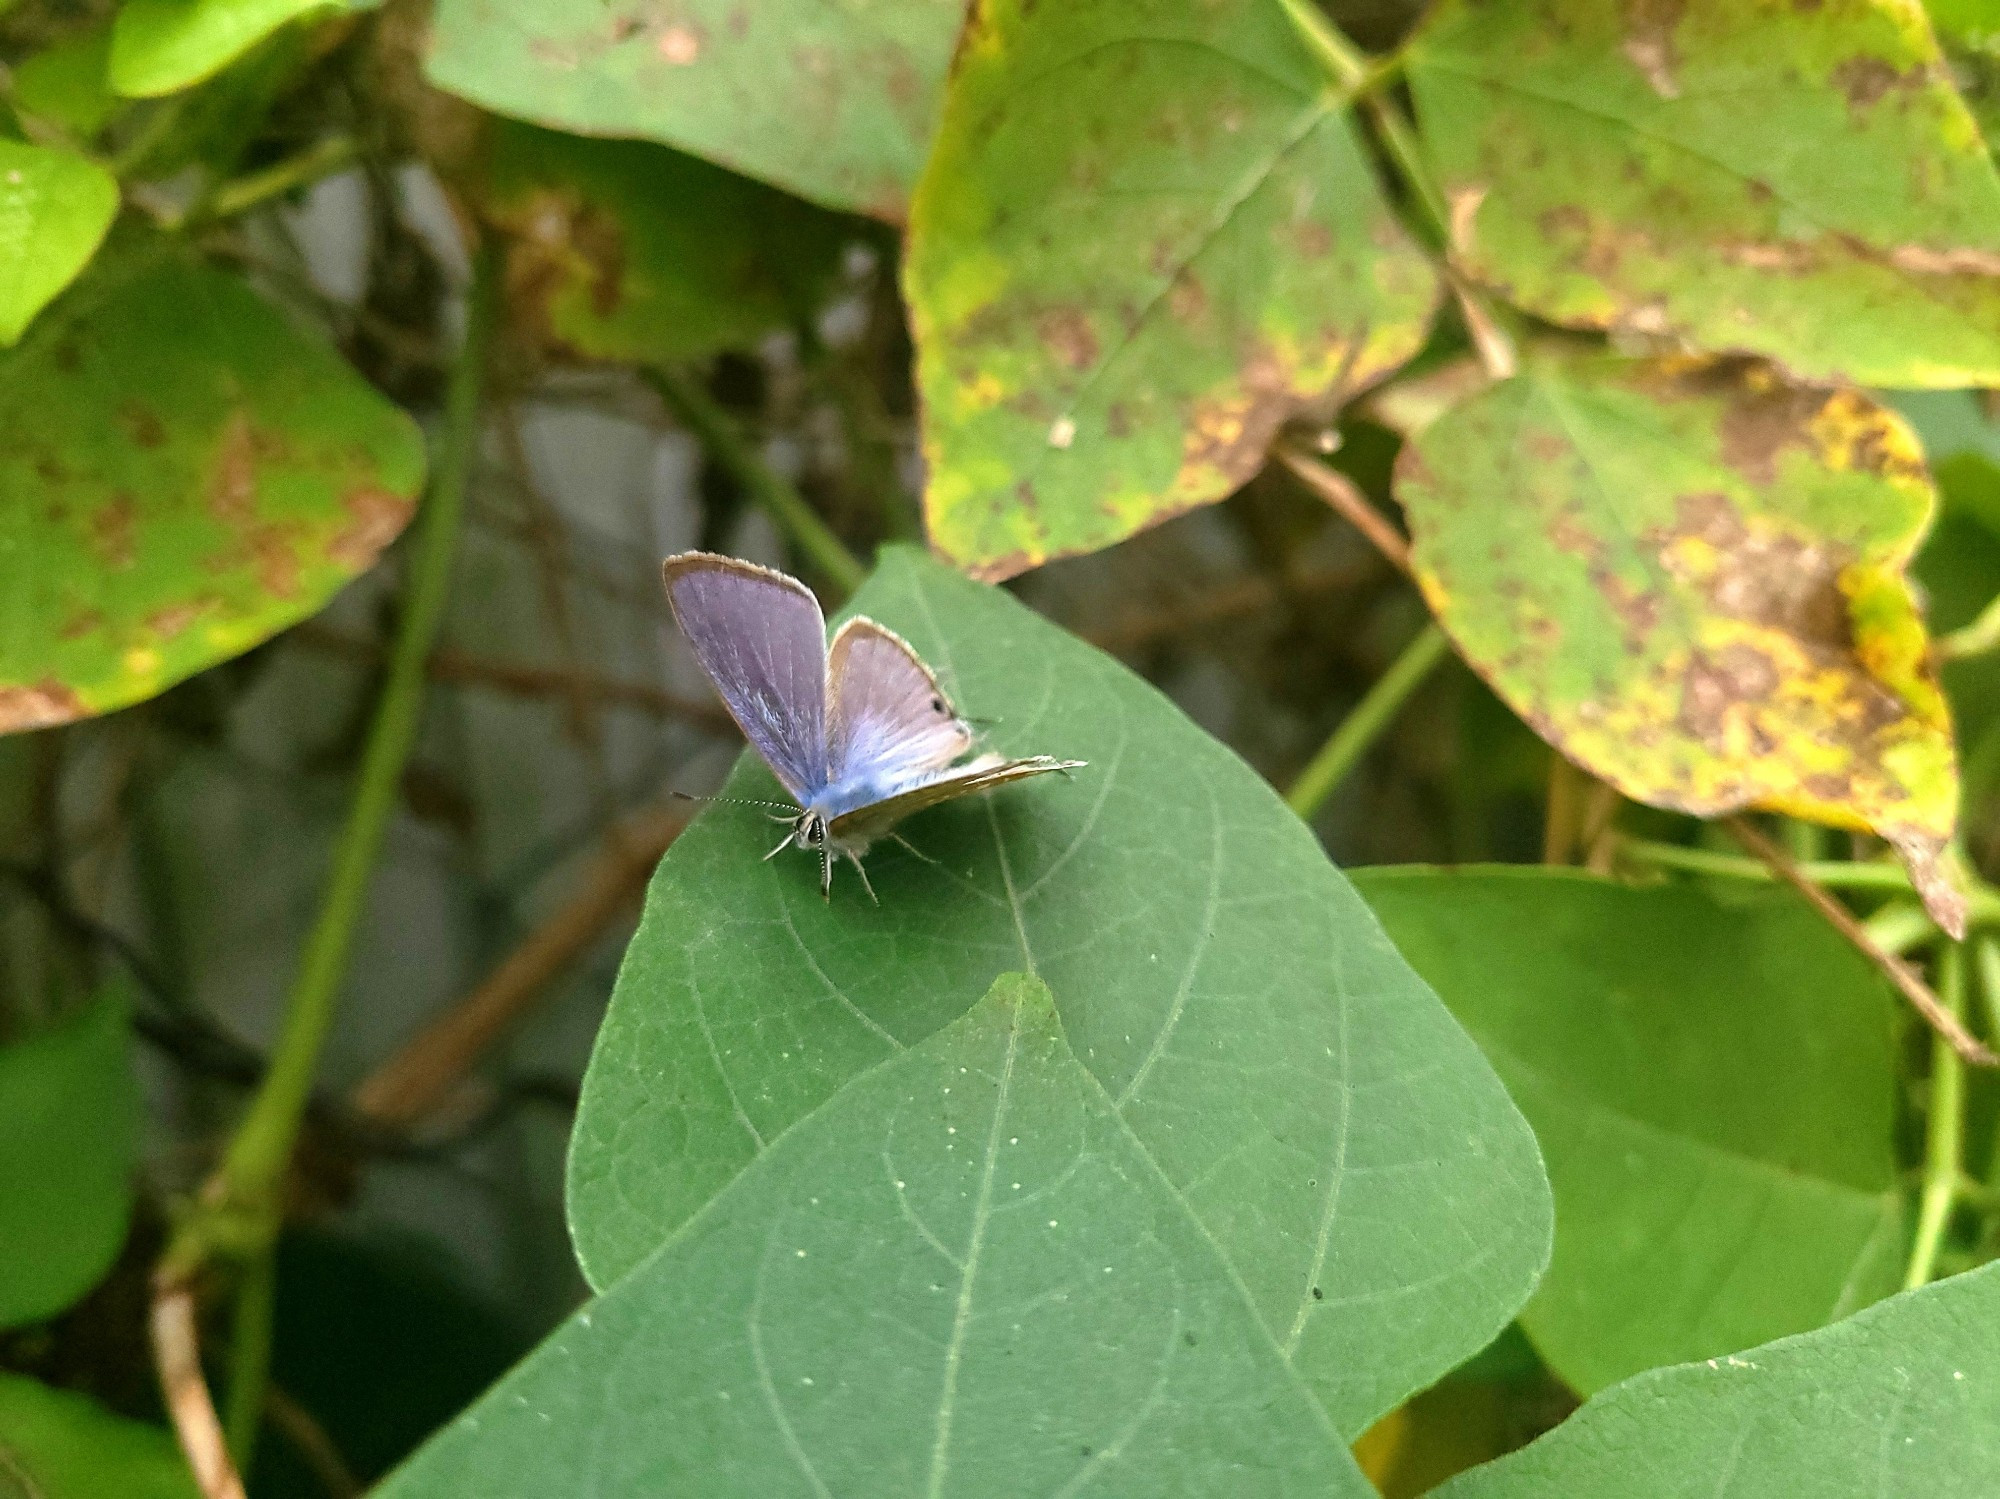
68 1135
1690 579
834 100
1148 235
626 250
1799 181
55 1445
1336 1134
182 473
54 209
966 1275
164 46
1897 1401
1713 1087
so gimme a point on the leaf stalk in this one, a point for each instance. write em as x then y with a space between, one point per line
1373 714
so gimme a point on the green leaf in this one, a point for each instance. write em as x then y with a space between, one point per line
1147 236
1713 1086
163 46
1689 578
1898 1400
1754 175
966 1275
835 102
182 473
56 1445
68 1134
1338 1136
629 251
66 84
54 209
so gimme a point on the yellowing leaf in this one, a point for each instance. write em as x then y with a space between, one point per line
1689 577
1147 236
1794 180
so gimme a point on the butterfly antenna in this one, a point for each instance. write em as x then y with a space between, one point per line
738 801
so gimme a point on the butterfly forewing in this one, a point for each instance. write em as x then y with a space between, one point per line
862 826
761 638
888 720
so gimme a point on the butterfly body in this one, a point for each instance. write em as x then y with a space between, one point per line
858 731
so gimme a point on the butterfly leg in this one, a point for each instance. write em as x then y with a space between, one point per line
789 837
911 848
855 860
825 870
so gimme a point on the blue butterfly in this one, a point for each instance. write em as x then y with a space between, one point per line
859 732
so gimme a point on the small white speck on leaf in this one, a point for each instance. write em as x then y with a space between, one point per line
800 1253
1062 432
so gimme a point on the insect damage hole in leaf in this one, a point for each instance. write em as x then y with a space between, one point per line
1795 181
1147 236
1323 1117
965 1275
1690 578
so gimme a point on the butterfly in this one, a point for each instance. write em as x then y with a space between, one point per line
858 732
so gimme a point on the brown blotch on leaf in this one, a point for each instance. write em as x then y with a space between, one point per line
375 518
232 483
112 530
1760 419
1067 335
38 706
142 424
1770 578
1718 683
1649 42
1867 80
1187 299
168 622
84 622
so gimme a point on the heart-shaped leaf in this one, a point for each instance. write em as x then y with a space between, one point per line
834 102
57 1445
163 46
1148 235
1339 1137
965 1275
68 1146
1794 180
1895 1401
627 250
1713 1086
54 209
1689 578
182 474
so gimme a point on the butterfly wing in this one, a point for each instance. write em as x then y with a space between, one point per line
888 718
855 830
761 638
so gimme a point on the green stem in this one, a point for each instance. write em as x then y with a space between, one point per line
1370 717
1944 1132
1348 64
241 194
249 1358
1834 874
239 1211
689 400
1975 639
1900 927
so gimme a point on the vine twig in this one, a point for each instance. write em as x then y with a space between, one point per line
1944 1128
1370 717
1346 497
689 400
1908 984
237 1213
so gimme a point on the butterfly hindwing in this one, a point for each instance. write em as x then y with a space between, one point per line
888 720
761 638
857 829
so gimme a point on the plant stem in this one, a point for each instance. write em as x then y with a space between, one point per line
1944 1131
689 400
1348 64
1370 717
1900 927
1975 639
249 1357
239 195
1834 874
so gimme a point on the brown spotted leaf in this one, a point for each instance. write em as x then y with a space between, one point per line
1147 236
832 99
1689 577
630 251
182 474
1794 180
